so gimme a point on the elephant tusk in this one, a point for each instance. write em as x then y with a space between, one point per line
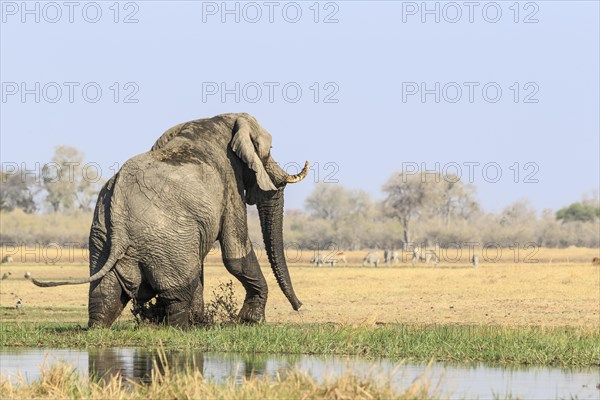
301 175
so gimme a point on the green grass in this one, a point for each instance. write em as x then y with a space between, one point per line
9 315
453 343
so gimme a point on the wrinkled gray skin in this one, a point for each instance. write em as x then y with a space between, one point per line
158 217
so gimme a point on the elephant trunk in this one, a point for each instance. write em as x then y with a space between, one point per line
270 212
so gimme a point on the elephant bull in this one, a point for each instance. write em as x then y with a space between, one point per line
158 217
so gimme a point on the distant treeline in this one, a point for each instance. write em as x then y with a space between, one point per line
430 210
364 226
353 222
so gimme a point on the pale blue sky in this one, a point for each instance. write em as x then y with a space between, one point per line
367 55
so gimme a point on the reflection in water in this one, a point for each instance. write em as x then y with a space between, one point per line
139 364
457 380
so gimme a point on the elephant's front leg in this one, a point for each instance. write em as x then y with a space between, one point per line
241 262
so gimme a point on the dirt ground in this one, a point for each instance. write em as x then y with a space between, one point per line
542 294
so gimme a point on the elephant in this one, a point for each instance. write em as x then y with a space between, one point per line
158 217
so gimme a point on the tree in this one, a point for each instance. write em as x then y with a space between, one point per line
408 198
327 201
417 196
514 226
66 182
17 190
353 229
579 212
518 213
457 199
344 211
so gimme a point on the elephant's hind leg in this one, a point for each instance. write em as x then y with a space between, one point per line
197 305
180 302
106 301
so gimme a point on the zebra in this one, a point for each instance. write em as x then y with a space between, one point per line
319 259
391 257
372 258
426 256
7 260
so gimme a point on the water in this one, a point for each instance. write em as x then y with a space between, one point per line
456 380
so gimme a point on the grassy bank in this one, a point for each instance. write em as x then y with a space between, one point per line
456 343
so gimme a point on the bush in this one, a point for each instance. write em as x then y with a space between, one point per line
151 312
579 212
20 228
222 308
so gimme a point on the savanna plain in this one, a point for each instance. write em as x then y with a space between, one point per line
508 312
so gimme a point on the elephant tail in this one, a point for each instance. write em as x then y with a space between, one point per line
110 262
117 249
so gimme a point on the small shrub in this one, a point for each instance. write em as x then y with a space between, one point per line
223 307
151 312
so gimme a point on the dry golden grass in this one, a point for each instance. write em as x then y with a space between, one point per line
61 381
545 294
63 255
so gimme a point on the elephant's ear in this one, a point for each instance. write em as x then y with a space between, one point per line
244 148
